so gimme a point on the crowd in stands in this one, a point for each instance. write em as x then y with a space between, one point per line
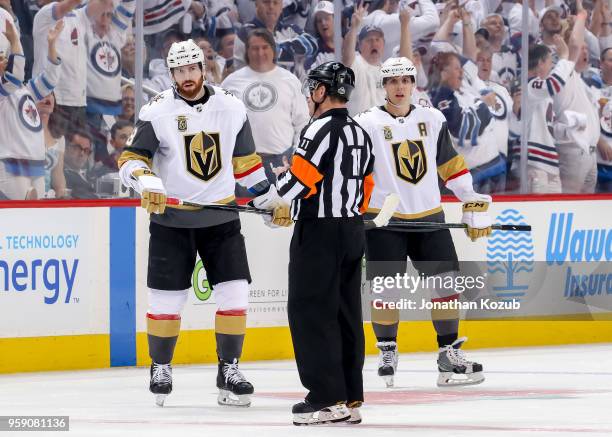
67 90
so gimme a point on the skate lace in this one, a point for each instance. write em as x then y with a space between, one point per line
162 374
457 357
387 358
232 374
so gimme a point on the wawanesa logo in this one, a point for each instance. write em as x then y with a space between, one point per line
568 243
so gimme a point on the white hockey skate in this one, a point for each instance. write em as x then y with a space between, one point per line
306 413
161 382
455 369
234 389
387 361
355 413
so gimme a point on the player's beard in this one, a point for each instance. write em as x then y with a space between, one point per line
196 89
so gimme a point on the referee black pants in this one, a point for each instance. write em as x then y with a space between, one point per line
324 307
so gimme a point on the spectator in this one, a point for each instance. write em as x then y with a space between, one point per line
225 49
545 83
292 43
128 58
366 63
71 91
214 63
604 151
550 25
119 134
469 122
504 61
55 145
323 14
576 144
76 163
127 103
423 26
105 37
502 108
22 155
273 98
159 76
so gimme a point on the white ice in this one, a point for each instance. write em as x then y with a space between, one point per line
529 391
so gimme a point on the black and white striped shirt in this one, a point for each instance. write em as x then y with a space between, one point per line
331 170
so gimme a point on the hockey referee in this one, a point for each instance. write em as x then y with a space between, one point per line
329 185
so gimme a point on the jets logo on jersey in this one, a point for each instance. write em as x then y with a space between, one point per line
499 110
181 122
388 133
260 96
203 153
28 114
410 160
105 59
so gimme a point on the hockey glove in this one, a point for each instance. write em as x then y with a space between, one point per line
270 200
477 219
152 191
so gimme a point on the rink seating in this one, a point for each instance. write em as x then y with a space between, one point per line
73 284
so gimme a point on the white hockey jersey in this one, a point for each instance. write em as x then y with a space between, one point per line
199 150
500 113
423 26
104 62
410 154
71 90
21 130
605 122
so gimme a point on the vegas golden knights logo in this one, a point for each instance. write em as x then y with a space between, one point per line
410 160
203 155
181 123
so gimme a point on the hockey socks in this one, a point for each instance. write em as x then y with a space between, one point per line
446 322
230 327
385 323
162 334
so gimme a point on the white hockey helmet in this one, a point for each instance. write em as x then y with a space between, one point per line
184 53
397 67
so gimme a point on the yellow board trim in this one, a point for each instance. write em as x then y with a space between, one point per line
30 354
66 352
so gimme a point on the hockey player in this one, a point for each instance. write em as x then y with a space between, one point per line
193 142
408 142
329 185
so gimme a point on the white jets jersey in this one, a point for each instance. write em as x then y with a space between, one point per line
104 60
198 150
409 155
21 129
71 89
605 122
500 115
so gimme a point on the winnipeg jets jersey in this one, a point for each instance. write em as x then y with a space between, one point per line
198 149
410 153
21 129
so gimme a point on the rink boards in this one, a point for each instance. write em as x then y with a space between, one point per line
73 286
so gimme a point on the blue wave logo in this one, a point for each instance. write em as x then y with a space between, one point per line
510 258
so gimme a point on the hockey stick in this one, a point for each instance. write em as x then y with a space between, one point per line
396 224
381 219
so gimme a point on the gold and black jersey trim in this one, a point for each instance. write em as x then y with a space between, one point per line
132 154
414 216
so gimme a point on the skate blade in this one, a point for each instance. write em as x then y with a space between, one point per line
335 414
160 399
389 380
450 379
227 398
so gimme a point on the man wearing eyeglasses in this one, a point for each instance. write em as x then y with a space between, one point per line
76 158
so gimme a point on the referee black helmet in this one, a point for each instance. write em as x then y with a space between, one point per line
338 79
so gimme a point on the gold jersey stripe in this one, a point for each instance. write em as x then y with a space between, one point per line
444 314
232 325
417 215
227 200
128 155
385 316
451 167
243 164
163 328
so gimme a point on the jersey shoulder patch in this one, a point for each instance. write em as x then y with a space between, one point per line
157 106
